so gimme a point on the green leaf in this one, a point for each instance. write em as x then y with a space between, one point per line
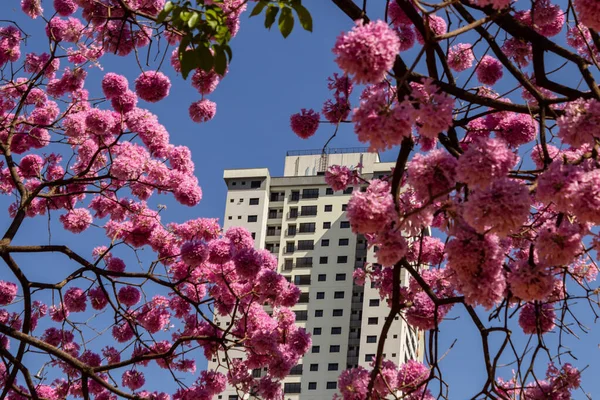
286 22
270 15
168 6
228 51
162 16
193 20
220 60
258 7
189 62
185 15
205 58
304 16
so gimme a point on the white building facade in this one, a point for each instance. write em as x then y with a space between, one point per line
303 223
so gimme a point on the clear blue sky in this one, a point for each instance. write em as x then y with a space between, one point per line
269 79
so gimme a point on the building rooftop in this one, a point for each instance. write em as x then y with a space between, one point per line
328 151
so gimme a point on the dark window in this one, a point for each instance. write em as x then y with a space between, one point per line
308 210
301 315
332 385
342 259
318 313
334 348
329 191
310 193
338 295
348 190
320 295
332 367
344 224
253 202
312 385
326 225
316 331
343 242
373 285
373 321
274 196
288 264
369 357
231 201
304 262
306 244
291 230
295 196
371 339
322 260
324 242
230 217
316 349
322 278
296 370
338 312
314 367
256 373
291 387
303 299
253 235
340 277
233 396
233 183
344 207
289 247
255 184
272 213
293 212
307 227
252 218
373 302
336 330
302 280
328 208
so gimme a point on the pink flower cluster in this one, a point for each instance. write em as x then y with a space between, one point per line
340 177
373 210
305 123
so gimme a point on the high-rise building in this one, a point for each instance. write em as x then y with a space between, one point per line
303 222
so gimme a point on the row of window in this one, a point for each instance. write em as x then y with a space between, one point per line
296 387
305 279
336 330
313 193
253 201
253 184
310 211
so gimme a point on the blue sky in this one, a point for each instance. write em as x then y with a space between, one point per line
269 79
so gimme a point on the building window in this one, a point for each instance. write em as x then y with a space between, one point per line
316 349
322 260
312 385
289 247
241 200
302 280
233 183
291 387
345 224
253 202
338 295
310 193
233 396
316 331
342 259
239 217
371 339
253 235
344 207
338 312
231 201
230 217
272 213
320 295
373 321
373 302
307 227
274 196
255 184
291 230
288 264
324 242
332 367
344 242
314 367
304 262
328 208
296 370
295 196
336 330
308 210
332 385
369 357
340 277
322 278
348 190
252 218
334 348
303 299
306 244
293 212
301 315
329 191
318 313
326 225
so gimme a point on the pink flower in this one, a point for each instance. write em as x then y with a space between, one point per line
432 174
434 111
500 208
397 16
33 8
559 184
580 122
205 82
537 316
152 86
305 123
339 177
75 300
407 37
392 247
489 70
65 7
203 110
497 4
125 102
437 25
31 166
530 281
587 203
373 210
368 51
8 292
484 161
411 375
114 85
548 19
589 13
354 383
194 253
461 57
133 379
517 129
559 245
98 298
129 296
76 220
